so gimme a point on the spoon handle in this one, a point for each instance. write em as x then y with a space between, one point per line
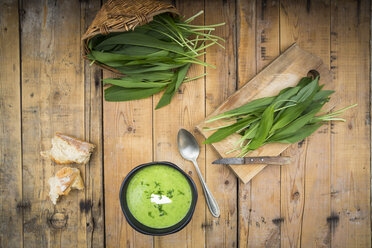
211 202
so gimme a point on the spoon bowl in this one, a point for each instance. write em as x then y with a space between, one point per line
187 145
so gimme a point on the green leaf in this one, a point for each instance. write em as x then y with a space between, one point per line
153 60
226 131
133 84
99 38
304 99
323 94
263 129
117 94
141 69
316 104
302 133
132 50
308 90
168 94
304 81
245 109
250 131
104 57
154 56
138 39
286 94
181 75
296 125
90 44
151 76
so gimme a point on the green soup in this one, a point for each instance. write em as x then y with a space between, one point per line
159 196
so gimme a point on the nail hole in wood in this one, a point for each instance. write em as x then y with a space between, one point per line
58 220
313 74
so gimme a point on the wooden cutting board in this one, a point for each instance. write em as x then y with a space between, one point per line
284 71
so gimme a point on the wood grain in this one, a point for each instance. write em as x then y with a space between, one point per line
52 100
220 83
247 69
185 111
321 200
350 205
11 204
285 71
93 205
259 200
127 144
307 179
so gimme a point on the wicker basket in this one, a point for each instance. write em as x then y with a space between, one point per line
122 16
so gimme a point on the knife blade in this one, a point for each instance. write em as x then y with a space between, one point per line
254 160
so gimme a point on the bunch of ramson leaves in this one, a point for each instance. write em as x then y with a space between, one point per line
288 117
153 57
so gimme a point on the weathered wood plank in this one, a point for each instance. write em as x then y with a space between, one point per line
11 205
94 202
127 143
314 230
246 40
247 68
185 110
51 33
350 63
52 100
220 83
263 204
305 195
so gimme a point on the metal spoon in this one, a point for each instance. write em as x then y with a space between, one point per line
189 149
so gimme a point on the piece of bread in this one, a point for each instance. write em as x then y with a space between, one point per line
65 179
67 150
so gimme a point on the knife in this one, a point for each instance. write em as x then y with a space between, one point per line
254 160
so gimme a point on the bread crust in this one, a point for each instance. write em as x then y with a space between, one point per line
60 162
64 181
77 146
80 145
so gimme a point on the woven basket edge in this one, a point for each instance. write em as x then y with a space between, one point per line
86 37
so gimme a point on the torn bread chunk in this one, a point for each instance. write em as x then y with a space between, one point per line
65 179
67 150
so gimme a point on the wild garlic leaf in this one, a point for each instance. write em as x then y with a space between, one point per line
285 96
301 134
296 125
264 127
168 94
226 131
162 45
250 132
245 109
139 39
135 69
304 99
304 81
288 123
117 94
133 84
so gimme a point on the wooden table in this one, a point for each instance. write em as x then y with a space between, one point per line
321 200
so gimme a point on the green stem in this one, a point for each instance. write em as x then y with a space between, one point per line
194 78
200 26
190 19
